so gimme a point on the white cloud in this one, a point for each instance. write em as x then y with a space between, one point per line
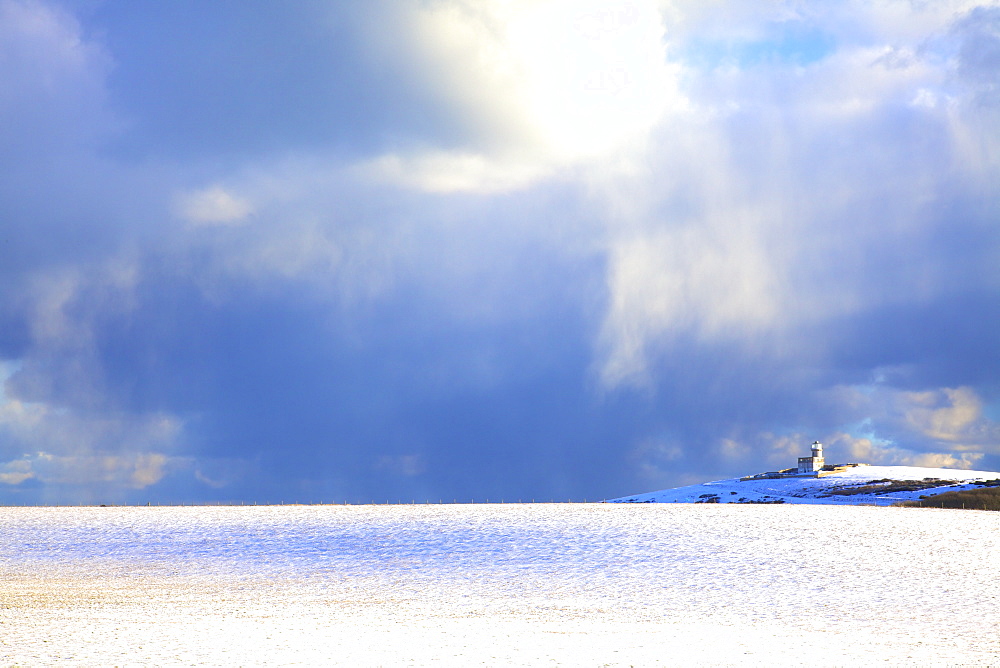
953 415
74 432
16 472
446 172
913 424
541 86
869 451
793 195
213 206
77 446
136 470
707 278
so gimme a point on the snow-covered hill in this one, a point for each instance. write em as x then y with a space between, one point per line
878 485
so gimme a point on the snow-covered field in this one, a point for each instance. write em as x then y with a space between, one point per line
459 585
819 490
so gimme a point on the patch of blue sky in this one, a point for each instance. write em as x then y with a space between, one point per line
784 44
866 429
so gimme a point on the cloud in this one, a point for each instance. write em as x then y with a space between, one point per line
213 205
52 101
709 278
34 425
54 403
945 415
94 471
538 86
575 247
16 472
978 35
448 172
925 421
798 196
867 451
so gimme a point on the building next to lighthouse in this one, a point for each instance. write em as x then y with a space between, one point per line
815 462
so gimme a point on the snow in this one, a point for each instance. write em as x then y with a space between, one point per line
497 585
811 490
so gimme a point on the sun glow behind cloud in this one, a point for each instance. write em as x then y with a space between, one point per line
542 85
595 75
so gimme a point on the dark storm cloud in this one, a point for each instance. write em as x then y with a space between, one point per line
239 78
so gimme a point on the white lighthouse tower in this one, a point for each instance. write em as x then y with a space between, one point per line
815 462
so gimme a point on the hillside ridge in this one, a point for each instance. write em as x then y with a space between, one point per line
815 482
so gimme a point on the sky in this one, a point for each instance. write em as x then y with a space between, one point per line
398 250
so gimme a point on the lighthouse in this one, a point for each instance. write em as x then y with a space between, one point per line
815 462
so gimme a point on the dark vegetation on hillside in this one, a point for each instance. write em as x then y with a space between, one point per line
987 497
887 486
714 498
